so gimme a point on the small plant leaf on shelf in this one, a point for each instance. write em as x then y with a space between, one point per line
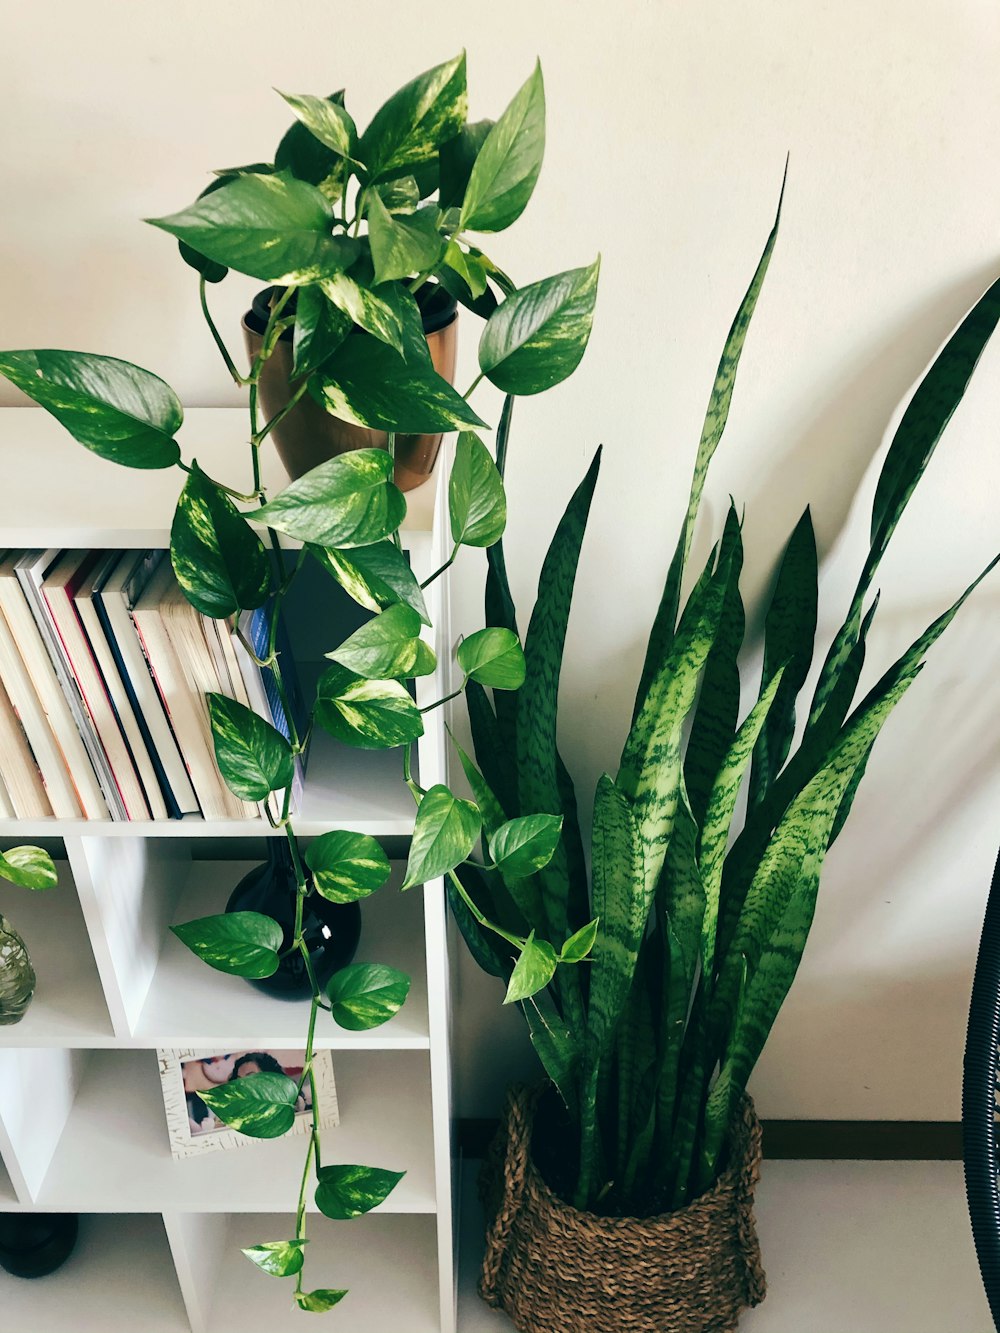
29 867
320 1300
375 576
384 648
525 844
219 560
493 657
408 129
280 1258
444 833
346 866
245 944
259 1105
253 756
346 501
344 1192
538 335
533 970
506 168
275 228
476 501
120 411
368 714
366 995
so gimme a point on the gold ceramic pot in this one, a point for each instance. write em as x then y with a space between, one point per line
309 435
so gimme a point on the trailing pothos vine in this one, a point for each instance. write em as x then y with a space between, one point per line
349 228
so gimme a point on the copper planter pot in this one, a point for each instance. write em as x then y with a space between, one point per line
308 435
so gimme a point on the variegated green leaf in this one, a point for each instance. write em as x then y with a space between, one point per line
346 866
260 1105
534 969
385 647
218 559
254 758
410 127
280 1258
346 501
375 576
507 165
29 867
445 832
404 246
367 714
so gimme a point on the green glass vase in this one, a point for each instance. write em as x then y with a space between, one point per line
17 976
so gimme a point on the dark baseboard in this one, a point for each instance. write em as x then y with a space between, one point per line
812 1140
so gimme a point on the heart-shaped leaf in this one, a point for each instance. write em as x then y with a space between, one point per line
457 158
366 995
118 410
366 308
403 246
346 501
302 154
367 383
280 1258
401 195
326 121
476 500
260 1105
384 648
344 1192
375 576
275 228
468 267
506 169
493 657
253 757
444 833
533 970
526 844
244 944
219 560
580 944
368 714
30 867
346 866
320 1300
426 660
538 335
320 328
410 126
208 268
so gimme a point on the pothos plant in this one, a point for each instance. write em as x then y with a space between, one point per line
352 225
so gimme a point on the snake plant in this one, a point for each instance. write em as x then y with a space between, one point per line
650 989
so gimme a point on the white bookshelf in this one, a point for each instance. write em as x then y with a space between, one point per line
82 1124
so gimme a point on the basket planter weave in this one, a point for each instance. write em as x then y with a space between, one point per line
554 1269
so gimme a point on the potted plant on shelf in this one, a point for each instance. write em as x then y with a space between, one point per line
621 1197
32 868
358 350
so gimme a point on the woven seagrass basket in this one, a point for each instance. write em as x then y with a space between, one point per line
554 1269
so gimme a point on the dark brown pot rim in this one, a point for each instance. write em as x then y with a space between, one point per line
438 309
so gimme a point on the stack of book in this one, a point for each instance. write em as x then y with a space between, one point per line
104 668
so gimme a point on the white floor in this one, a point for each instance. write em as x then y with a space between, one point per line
849 1247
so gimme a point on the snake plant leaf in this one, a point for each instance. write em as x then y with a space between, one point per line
347 501
681 891
536 338
218 559
716 417
244 944
346 866
307 159
366 382
29 867
635 1062
554 1045
274 228
444 833
721 1098
253 757
385 647
376 576
366 995
477 504
326 120
534 969
280 1258
260 1105
580 944
411 126
482 943
496 759
457 157
403 247
537 702
319 1300
320 328
492 657
367 714
789 632
717 711
344 1191
525 844
506 169
117 410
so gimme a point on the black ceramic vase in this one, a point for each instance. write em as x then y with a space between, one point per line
36 1244
331 930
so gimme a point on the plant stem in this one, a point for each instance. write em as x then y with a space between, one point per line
447 565
217 336
437 704
473 384
226 490
279 416
484 921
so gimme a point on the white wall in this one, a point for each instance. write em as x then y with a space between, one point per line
668 126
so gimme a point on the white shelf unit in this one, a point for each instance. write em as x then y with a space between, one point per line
82 1125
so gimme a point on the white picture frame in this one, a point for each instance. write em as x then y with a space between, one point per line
182 1069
